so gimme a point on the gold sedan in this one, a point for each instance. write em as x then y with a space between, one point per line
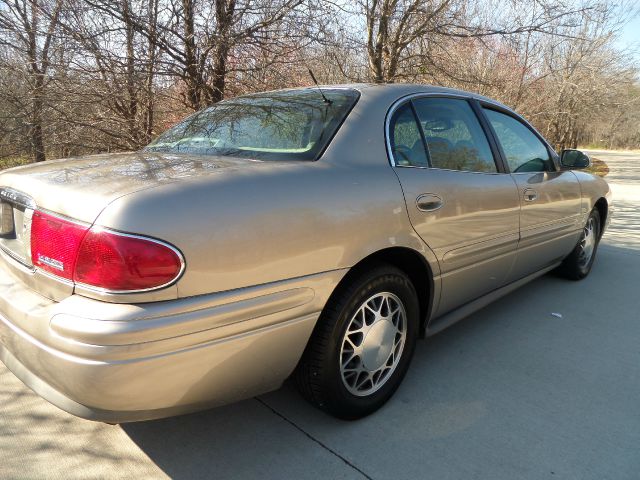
313 232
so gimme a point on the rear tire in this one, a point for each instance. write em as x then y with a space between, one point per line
362 345
579 262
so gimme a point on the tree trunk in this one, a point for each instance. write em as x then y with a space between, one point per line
219 73
131 110
377 40
35 130
193 79
225 10
151 66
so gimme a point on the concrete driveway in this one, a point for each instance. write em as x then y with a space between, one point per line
512 392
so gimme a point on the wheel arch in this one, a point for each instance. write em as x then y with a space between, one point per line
603 209
412 263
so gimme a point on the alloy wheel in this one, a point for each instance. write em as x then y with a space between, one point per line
373 343
587 242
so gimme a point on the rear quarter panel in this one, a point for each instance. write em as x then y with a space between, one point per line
276 223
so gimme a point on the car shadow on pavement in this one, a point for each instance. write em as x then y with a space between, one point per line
243 440
531 358
39 441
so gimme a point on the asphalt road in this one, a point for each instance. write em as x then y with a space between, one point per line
512 392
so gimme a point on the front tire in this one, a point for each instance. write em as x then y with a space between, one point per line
579 262
362 345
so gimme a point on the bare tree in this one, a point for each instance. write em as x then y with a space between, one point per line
29 30
404 33
585 75
197 37
116 68
84 76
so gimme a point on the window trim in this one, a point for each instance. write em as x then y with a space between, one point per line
496 149
414 114
329 141
470 99
416 118
553 155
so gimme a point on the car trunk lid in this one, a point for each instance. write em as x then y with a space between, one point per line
80 188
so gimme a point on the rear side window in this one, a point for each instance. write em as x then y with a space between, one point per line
523 149
454 136
406 142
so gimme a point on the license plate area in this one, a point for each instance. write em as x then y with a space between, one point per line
7 221
16 211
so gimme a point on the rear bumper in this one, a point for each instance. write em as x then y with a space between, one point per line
121 363
65 403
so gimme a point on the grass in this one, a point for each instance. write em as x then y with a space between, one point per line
13 162
598 167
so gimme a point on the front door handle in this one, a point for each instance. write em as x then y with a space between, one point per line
530 195
429 202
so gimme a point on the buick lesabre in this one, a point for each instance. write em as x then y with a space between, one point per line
312 233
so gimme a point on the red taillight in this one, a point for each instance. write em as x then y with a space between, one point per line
55 243
118 262
100 258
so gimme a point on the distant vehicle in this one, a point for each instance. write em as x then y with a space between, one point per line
317 232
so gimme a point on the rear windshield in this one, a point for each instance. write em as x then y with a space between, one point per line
285 125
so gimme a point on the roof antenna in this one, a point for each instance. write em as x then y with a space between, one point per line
313 77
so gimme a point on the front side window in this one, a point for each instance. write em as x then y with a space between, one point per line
523 149
454 136
285 125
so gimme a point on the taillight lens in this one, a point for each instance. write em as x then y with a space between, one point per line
55 243
119 262
101 258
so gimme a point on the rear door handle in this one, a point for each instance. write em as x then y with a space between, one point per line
530 195
429 202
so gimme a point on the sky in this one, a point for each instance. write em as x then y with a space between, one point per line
630 36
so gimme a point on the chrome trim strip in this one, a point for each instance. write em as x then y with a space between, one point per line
6 255
14 256
50 275
17 198
26 240
63 217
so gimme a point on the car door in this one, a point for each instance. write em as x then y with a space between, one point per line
459 200
550 199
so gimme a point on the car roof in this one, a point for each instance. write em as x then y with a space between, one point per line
396 91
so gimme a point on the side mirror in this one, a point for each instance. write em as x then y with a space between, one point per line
574 159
